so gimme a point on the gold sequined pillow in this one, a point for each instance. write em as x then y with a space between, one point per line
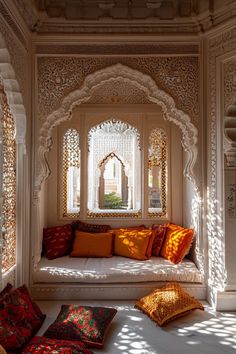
168 303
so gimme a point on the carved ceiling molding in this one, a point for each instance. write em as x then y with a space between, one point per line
28 12
12 24
18 56
143 82
178 76
170 48
150 16
218 46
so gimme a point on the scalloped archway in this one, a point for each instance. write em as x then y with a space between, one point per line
20 273
143 82
13 93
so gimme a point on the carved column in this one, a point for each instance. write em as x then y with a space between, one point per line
1 240
101 187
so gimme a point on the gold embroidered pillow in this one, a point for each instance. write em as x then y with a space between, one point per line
177 243
168 303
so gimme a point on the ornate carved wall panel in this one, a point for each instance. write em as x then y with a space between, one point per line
229 70
218 46
178 76
118 91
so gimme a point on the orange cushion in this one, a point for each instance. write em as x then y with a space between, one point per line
135 244
168 303
92 245
177 243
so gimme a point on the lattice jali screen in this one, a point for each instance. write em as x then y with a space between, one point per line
157 168
71 159
8 187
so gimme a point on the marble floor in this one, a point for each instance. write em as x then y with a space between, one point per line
132 332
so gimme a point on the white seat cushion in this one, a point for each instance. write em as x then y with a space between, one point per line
114 270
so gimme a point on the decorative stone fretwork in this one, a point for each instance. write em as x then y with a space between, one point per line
118 91
8 187
71 158
229 70
138 79
157 167
177 76
219 45
132 214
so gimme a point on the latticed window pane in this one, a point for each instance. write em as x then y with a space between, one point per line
114 169
71 173
157 173
8 186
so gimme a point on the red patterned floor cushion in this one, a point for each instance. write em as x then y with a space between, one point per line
20 318
57 241
43 345
8 288
86 323
11 338
21 307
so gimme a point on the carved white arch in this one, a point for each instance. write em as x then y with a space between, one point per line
12 90
141 81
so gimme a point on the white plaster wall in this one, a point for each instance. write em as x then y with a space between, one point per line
176 176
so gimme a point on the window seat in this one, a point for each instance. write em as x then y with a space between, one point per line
111 278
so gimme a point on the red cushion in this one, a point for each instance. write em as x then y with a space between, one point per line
160 232
93 228
21 307
86 323
20 317
4 292
11 337
43 345
57 241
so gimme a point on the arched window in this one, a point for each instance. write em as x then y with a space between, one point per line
7 185
71 173
122 165
157 173
114 169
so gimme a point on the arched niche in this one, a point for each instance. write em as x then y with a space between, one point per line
153 94
141 81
